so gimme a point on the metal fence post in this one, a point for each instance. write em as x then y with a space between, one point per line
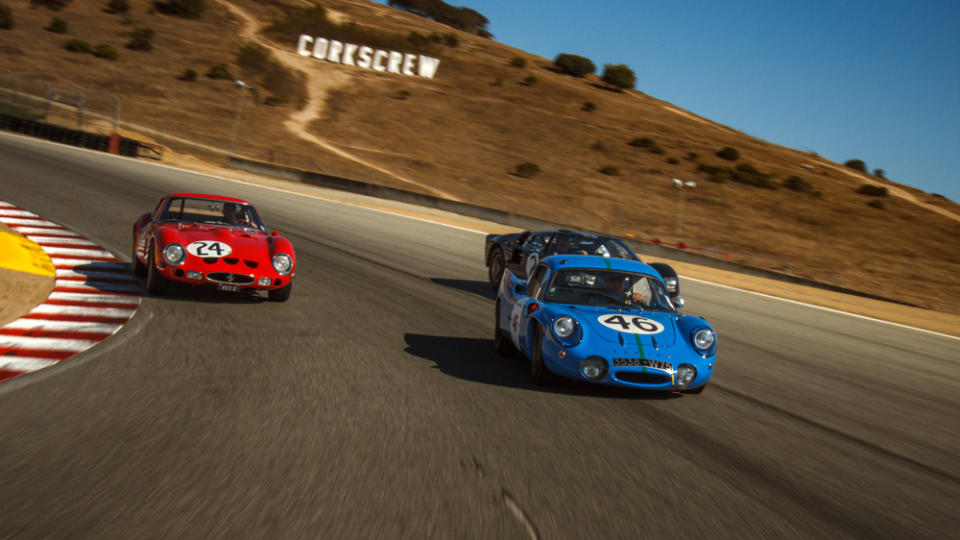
116 114
48 90
79 110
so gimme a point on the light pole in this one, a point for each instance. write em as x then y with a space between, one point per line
241 86
680 186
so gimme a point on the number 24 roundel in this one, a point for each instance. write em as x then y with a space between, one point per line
630 325
209 248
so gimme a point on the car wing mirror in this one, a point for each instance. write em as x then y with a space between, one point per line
678 301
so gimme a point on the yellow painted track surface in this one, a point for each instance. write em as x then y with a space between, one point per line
26 275
20 254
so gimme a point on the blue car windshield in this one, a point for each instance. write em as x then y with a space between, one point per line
608 288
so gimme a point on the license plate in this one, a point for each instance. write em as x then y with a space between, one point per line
230 288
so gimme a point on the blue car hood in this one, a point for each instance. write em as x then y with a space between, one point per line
625 326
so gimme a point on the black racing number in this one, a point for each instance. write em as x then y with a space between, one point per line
617 319
202 248
644 324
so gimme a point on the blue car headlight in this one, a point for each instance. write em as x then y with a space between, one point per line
704 341
567 330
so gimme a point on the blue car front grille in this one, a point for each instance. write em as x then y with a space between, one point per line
642 362
638 377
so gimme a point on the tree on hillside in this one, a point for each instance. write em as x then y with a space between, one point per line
619 75
461 18
571 64
188 9
857 165
6 17
52 5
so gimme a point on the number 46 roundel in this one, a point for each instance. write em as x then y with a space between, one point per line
209 248
630 325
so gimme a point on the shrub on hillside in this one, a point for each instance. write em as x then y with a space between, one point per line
873 191
402 95
589 106
526 169
220 71
880 172
857 165
643 142
417 39
6 17
657 150
141 39
451 40
57 26
749 175
728 153
609 170
571 64
692 156
673 161
106 51
253 58
518 62
795 183
619 76
78 45
273 101
529 80
876 203
188 75
118 6
52 5
188 9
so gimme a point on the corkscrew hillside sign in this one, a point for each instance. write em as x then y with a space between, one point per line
348 54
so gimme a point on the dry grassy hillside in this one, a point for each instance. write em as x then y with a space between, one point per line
463 132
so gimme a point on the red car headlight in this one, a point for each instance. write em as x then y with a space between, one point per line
282 263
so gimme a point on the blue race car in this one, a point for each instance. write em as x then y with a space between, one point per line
603 320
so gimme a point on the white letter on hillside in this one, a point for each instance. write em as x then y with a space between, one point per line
428 66
377 60
363 57
302 45
336 47
395 59
348 52
408 64
320 48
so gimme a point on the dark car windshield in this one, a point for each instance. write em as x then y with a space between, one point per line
609 288
212 212
605 246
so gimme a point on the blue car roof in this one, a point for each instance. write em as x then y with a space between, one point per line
600 263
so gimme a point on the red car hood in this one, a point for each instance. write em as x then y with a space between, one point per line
244 243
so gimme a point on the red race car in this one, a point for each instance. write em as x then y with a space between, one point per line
211 240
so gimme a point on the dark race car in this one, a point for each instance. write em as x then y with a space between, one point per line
520 253
211 240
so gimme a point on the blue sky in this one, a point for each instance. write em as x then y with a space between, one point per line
874 80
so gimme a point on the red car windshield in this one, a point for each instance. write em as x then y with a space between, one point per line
212 212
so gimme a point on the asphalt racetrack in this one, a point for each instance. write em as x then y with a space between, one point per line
372 403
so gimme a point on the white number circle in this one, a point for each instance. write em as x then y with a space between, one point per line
630 325
209 248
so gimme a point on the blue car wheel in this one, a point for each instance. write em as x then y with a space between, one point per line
538 370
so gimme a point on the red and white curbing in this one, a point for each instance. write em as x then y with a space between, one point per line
94 295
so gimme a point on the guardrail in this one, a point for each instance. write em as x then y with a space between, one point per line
74 137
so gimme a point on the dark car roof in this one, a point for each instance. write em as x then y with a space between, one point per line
204 196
